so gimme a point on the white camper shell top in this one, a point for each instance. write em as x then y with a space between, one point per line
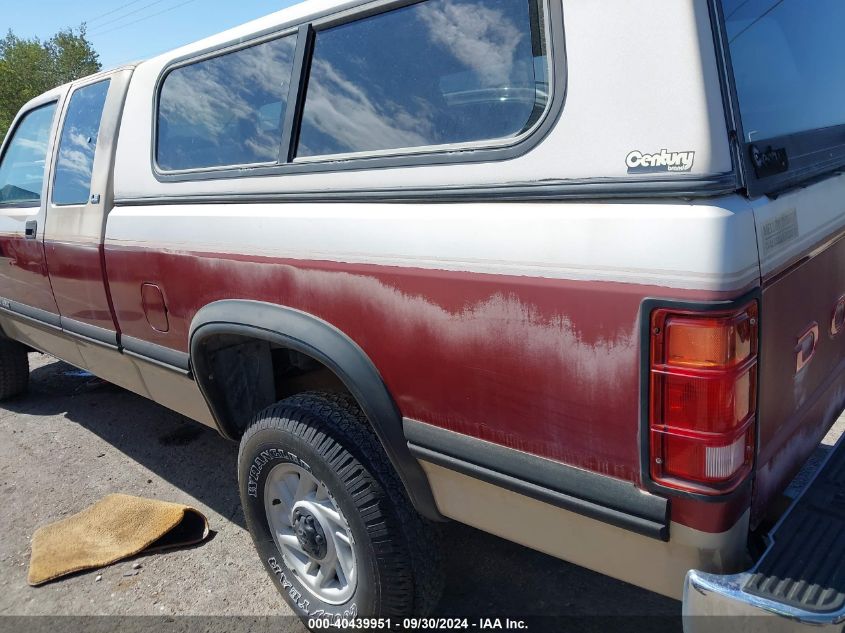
615 93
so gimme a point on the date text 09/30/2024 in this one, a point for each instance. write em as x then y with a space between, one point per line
413 624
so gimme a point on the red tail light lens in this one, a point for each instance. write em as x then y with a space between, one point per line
703 385
719 402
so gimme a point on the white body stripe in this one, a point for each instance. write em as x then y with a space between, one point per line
799 221
700 246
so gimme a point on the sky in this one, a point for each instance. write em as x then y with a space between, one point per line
129 30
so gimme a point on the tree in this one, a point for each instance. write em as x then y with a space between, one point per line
29 67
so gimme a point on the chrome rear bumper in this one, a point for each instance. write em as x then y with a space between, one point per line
717 604
798 583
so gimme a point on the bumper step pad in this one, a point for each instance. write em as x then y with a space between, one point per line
805 566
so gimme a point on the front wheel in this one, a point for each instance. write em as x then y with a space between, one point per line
329 516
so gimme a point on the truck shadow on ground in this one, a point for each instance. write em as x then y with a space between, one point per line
487 576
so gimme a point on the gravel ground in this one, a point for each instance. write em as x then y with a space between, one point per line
74 439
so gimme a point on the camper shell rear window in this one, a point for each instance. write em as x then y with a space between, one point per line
786 58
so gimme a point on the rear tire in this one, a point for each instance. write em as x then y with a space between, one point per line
14 369
330 517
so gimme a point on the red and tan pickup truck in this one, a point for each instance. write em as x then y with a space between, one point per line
571 272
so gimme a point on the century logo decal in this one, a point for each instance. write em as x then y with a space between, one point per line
663 161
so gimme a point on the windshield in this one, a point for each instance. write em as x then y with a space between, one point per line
788 60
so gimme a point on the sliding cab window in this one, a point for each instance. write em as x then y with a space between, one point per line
23 162
435 73
788 59
226 110
78 144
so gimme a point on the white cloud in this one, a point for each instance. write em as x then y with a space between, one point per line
346 112
217 100
357 117
481 38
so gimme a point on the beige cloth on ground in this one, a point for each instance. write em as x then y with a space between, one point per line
116 527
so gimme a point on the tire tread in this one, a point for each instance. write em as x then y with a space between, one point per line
408 557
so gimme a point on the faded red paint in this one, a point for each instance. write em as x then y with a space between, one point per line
76 274
712 516
549 367
24 275
797 409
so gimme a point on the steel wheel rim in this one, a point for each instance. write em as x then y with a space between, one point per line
291 496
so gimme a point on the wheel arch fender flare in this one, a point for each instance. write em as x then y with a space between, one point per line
310 335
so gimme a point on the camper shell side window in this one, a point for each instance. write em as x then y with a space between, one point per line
348 92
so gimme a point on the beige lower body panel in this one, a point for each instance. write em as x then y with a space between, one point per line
172 389
655 565
43 338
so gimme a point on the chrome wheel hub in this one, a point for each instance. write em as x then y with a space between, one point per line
311 532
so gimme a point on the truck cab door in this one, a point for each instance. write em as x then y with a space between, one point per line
25 292
80 198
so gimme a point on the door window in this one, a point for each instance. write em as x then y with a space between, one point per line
78 144
22 166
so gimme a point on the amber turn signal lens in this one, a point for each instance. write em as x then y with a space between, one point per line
710 342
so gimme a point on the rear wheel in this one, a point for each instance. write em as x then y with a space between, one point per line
14 369
330 517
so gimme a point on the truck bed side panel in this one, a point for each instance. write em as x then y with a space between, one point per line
802 250
521 327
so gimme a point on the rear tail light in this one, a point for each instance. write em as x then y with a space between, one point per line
703 386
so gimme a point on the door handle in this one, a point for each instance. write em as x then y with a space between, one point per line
806 347
31 229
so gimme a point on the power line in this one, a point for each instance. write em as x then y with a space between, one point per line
736 10
756 20
107 13
146 17
140 58
126 15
